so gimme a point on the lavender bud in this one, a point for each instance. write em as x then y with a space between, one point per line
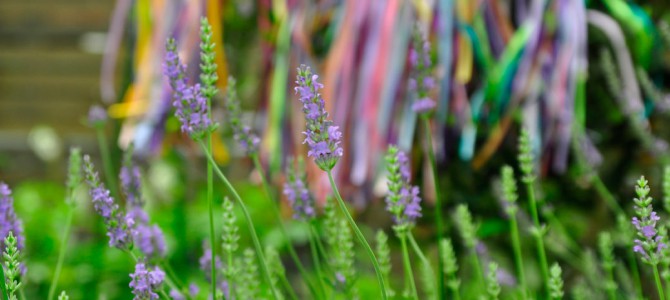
193 112
248 279
208 75
174 70
9 222
509 190
63 296
649 245
12 265
492 284
403 199
146 282
74 175
230 229
322 137
526 157
421 80
117 226
297 194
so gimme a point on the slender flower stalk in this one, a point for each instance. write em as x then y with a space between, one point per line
209 78
323 139
429 273
649 244
526 163
74 178
450 269
230 239
510 196
409 274
313 237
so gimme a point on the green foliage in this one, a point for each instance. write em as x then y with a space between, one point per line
12 270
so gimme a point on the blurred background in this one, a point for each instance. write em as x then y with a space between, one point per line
588 78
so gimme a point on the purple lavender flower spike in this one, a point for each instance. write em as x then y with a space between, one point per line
173 69
322 137
150 241
403 200
131 185
145 282
8 219
192 112
649 242
242 133
118 228
421 80
297 194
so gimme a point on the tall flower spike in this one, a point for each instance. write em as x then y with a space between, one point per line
242 133
117 227
207 57
403 199
230 228
606 249
321 135
450 264
248 279
130 178
297 193
421 81
193 113
649 245
74 175
384 257
146 282
12 266
466 226
666 188
492 284
9 222
343 261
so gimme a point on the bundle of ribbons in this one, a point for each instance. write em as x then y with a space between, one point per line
498 65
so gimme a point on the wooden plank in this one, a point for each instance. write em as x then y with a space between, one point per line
35 16
35 88
49 63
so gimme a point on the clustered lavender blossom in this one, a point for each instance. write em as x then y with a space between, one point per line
145 282
9 222
97 116
241 132
321 135
298 194
190 103
117 227
148 238
650 244
205 263
421 81
403 199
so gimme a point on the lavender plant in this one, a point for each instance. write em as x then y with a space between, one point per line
146 282
510 196
63 296
323 139
384 257
649 244
73 179
230 240
420 84
193 112
526 164
341 255
97 118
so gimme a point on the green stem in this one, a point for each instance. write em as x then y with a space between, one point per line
637 282
611 291
539 242
164 294
359 235
438 203
229 274
3 288
518 256
666 279
107 166
61 254
171 274
252 230
419 253
288 287
659 285
409 276
282 228
315 257
210 204
478 269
